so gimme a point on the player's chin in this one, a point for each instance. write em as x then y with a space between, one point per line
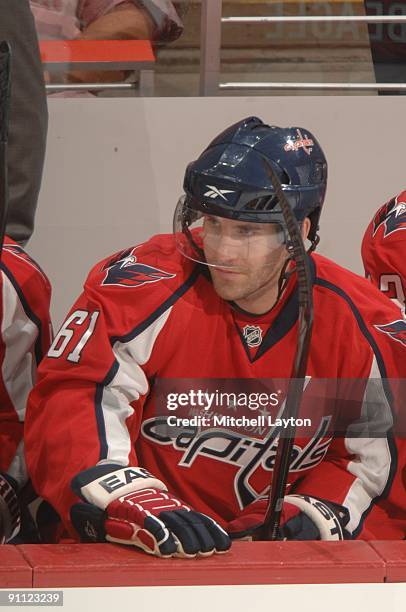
227 290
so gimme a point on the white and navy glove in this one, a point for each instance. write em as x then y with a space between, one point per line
130 506
303 518
10 520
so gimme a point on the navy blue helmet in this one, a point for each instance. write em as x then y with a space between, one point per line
231 177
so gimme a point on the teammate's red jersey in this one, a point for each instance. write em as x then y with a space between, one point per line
384 249
148 315
24 339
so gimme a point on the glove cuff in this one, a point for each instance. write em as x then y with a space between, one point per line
103 484
326 517
9 510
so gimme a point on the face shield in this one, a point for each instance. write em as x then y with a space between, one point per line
229 244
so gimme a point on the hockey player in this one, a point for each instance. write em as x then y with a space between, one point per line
384 249
217 300
24 339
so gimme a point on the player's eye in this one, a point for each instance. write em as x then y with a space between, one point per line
247 231
211 222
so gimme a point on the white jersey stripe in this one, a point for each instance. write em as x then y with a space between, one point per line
128 385
19 334
373 458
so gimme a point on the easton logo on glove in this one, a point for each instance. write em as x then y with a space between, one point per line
148 516
118 481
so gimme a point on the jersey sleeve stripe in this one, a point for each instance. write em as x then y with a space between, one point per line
390 449
373 464
28 311
17 366
392 454
125 383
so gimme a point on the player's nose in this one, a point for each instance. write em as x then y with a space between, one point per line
227 250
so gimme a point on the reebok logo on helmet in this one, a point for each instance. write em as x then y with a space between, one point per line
214 192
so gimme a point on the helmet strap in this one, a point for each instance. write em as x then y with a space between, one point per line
314 244
285 275
189 236
283 278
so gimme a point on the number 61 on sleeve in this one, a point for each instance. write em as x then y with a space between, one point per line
84 323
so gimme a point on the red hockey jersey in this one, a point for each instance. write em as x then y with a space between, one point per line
384 249
25 337
147 316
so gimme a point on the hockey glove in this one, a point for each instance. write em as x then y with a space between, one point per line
303 518
130 506
9 509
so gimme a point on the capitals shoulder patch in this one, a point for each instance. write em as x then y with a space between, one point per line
392 215
126 271
395 330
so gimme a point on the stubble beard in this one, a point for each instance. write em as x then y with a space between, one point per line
242 288
249 286
230 290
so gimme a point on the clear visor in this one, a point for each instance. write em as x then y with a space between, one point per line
225 243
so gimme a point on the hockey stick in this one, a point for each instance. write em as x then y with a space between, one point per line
270 527
5 56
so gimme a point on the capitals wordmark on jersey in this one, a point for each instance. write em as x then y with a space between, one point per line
252 456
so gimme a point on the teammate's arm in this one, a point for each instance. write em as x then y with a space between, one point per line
25 335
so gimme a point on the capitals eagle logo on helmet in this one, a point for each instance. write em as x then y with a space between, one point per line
125 270
396 330
392 215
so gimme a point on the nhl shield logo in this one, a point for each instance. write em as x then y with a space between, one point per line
252 335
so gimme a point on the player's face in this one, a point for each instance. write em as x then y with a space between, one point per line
244 258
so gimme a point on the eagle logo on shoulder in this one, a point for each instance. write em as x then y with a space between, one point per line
395 330
392 215
126 271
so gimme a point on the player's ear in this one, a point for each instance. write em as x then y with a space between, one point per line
306 227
